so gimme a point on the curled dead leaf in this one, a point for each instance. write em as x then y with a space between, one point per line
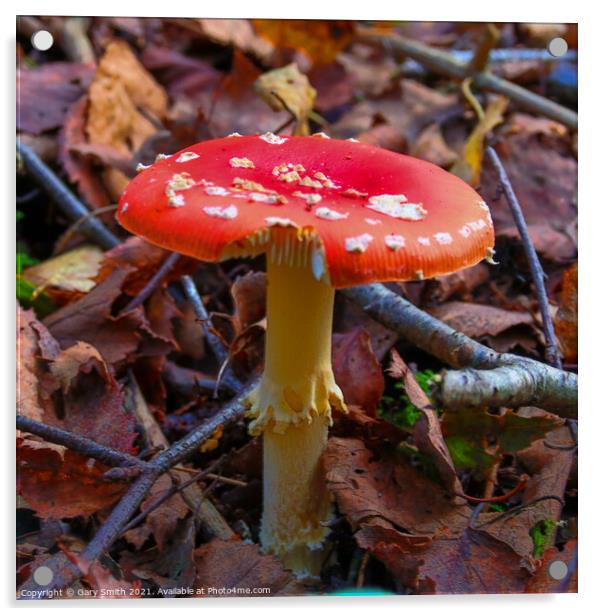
356 369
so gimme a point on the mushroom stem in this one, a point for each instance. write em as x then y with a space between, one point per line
292 406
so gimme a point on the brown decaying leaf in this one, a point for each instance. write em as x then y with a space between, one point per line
388 491
423 538
407 109
427 430
333 86
288 89
72 389
565 320
163 521
320 40
547 192
371 71
549 469
472 563
122 83
430 145
480 321
235 564
92 400
55 482
556 246
249 296
172 567
356 369
35 347
80 170
45 94
69 275
117 338
142 260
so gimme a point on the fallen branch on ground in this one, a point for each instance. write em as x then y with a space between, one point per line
494 378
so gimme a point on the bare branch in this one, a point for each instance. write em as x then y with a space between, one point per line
540 384
537 272
71 206
79 444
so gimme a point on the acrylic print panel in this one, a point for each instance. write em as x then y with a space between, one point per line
209 403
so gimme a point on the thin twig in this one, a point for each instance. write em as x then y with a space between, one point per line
194 298
78 223
71 206
537 272
225 374
79 444
154 280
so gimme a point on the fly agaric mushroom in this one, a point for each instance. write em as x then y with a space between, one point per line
328 214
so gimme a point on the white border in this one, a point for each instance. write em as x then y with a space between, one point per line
590 97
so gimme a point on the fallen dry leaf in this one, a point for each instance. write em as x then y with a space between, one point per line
488 322
388 490
356 370
141 260
442 288
473 563
80 170
116 337
332 84
288 89
163 521
408 109
236 564
58 85
469 432
35 348
55 482
69 275
555 246
122 83
91 401
565 320
183 76
547 193
430 145
249 296
173 566
371 71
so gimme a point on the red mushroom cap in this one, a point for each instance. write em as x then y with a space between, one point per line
379 215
